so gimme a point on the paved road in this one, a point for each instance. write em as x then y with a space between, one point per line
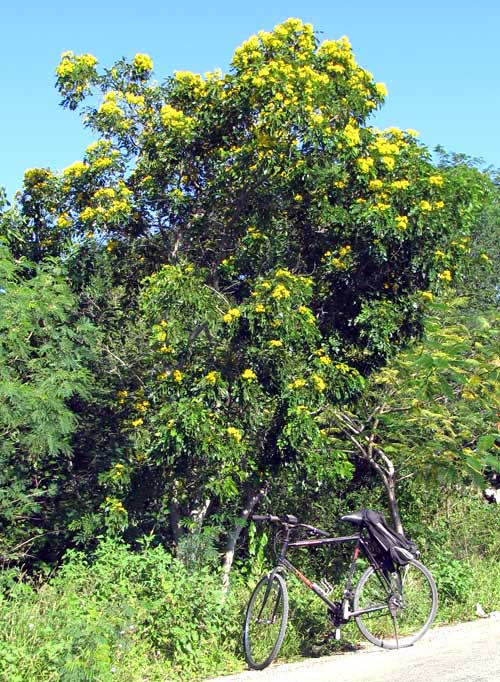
469 652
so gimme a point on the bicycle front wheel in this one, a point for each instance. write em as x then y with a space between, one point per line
265 621
399 607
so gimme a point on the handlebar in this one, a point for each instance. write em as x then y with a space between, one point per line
288 520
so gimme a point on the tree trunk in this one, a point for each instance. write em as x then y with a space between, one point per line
233 535
390 486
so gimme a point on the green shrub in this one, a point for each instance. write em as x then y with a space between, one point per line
123 616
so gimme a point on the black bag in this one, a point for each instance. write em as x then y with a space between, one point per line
394 547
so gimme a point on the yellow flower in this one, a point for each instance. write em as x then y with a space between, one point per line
485 257
446 276
137 422
389 162
298 197
425 205
211 377
427 295
143 62
64 221
401 222
166 349
439 254
234 433
75 170
178 376
381 89
325 360
276 343
365 164
298 383
280 292
400 184
260 308
438 204
351 135
375 184
436 180
319 382
232 314
248 375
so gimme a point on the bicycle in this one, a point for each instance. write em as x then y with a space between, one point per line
393 606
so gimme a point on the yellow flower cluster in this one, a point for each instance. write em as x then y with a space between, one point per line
118 471
175 119
115 506
110 106
143 62
280 292
351 135
297 383
64 221
427 295
142 406
254 233
365 164
445 276
178 376
260 308
248 375
211 377
234 433
76 170
319 382
231 315
276 343
400 184
70 62
437 180
401 222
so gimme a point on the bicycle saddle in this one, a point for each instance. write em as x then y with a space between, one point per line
355 517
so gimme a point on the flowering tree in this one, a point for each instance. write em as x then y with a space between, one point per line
288 248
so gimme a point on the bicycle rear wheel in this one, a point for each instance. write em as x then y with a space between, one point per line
403 606
265 621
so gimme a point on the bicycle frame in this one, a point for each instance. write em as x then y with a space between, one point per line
360 545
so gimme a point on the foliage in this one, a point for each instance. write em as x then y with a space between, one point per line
120 616
44 356
432 411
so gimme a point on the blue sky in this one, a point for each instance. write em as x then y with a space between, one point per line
439 60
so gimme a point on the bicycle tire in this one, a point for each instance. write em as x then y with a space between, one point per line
262 637
408 605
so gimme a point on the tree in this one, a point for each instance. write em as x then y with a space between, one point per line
432 411
271 247
44 355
